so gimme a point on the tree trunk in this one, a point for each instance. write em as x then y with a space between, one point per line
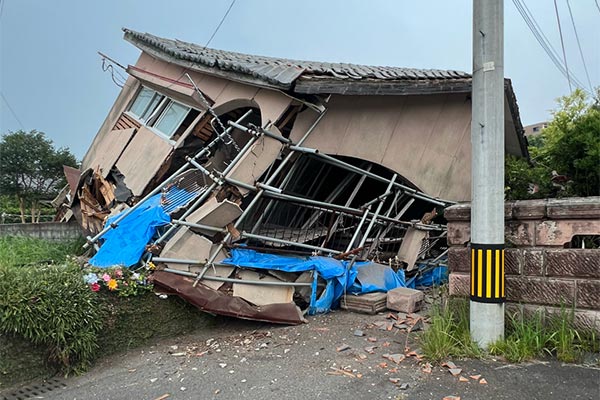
22 209
33 211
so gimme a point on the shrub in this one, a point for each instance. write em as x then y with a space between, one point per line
52 306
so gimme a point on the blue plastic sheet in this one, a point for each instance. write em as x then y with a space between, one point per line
339 279
125 244
429 276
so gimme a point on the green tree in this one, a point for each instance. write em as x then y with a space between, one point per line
569 146
572 144
31 169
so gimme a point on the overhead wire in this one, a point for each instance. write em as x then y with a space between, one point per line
186 70
553 53
543 41
118 80
12 111
562 44
587 75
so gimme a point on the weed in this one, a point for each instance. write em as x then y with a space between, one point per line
18 251
534 336
448 334
525 339
527 336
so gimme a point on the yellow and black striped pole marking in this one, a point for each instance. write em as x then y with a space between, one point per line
487 273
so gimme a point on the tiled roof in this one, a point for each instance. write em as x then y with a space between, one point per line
280 72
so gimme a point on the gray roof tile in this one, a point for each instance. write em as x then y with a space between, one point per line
281 72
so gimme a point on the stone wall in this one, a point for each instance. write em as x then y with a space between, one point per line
541 268
43 230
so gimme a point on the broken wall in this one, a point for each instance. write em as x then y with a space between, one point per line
426 139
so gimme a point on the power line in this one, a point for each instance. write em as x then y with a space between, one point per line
597 6
209 39
12 111
562 44
543 41
220 23
579 46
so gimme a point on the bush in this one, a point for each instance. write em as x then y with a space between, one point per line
51 306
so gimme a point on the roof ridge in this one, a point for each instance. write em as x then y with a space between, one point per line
279 72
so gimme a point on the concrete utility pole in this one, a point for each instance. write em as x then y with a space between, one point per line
487 173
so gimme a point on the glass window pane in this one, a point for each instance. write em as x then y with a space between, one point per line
141 102
171 118
156 99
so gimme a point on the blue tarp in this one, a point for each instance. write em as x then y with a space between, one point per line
363 277
125 244
428 276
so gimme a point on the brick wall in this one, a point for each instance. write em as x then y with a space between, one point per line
540 271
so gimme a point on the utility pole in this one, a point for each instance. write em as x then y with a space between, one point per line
487 173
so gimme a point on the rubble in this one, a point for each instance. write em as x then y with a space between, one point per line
405 300
258 200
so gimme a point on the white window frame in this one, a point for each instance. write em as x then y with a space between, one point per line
157 114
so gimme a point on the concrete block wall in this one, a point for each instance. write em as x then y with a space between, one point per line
43 230
541 272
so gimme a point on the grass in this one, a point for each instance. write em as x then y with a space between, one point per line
556 335
527 336
19 251
448 333
51 322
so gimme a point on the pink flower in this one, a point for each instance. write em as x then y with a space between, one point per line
106 277
119 273
95 287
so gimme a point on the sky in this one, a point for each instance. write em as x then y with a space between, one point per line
51 78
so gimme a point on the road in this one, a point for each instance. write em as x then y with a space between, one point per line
247 360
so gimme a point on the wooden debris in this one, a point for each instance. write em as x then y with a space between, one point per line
462 379
483 381
475 377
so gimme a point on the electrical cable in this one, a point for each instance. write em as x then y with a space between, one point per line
562 44
547 45
186 70
579 46
12 111
543 40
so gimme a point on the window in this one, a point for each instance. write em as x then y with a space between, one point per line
160 112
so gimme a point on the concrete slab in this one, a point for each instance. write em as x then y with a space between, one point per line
262 295
186 245
142 159
411 244
214 213
109 149
255 162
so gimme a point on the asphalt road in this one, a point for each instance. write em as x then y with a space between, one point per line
247 360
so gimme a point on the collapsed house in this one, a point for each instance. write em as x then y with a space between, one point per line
266 188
